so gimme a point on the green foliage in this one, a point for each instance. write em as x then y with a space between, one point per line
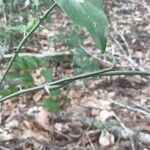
19 24
48 75
23 28
70 38
25 63
55 92
20 72
27 79
7 91
74 39
56 101
37 3
24 78
51 105
19 18
16 28
104 126
3 34
88 14
82 62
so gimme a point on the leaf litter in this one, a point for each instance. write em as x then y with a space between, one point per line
27 125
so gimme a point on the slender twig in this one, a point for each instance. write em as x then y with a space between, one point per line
143 112
24 41
59 83
3 148
126 131
128 53
39 55
133 65
56 84
143 3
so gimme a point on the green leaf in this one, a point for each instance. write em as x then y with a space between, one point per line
20 63
74 39
51 105
22 28
26 79
8 91
13 76
26 63
3 33
55 92
43 62
48 75
31 25
36 4
88 14
17 28
82 62
31 62
104 126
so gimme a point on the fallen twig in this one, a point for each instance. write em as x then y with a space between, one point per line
38 55
126 130
89 121
143 112
133 64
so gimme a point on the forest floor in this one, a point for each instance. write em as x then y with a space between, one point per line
120 103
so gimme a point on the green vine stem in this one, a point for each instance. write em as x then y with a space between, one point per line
59 83
24 41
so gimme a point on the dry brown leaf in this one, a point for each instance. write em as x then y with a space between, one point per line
42 136
28 134
58 126
75 94
107 139
0 118
13 115
8 107
37 96
93 102
12 124
104 115
6 136
43 120
36 75
27 124
95 112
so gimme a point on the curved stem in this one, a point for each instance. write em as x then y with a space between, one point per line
24 41
27 91
128 72
61 82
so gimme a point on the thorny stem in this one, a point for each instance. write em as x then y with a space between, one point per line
24 41
59 83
